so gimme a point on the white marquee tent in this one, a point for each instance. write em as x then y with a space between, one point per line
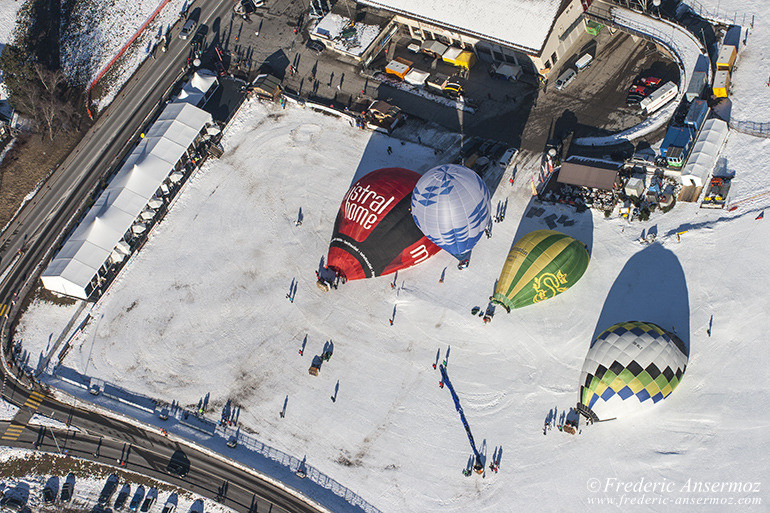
200 87
121 203
704 152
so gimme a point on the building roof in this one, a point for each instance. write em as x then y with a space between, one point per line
597 174
523 24
119 205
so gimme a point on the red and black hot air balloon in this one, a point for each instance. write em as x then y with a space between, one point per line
374 233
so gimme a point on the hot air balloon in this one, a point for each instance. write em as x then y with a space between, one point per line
374 233
539 266
629 366
450 204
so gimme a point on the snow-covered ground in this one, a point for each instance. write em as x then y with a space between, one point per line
98 30
89 479
7 410
203 309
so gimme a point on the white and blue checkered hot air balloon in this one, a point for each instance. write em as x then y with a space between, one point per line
451 205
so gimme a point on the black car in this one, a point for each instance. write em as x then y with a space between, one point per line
49 494
179 465
67 488
120 502
315 46
109 488
136 500
149 500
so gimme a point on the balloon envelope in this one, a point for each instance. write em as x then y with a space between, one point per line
539 266
450 204
629 365
374 233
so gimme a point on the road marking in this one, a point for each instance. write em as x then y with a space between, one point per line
34 400
13 432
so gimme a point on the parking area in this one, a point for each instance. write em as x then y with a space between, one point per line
520 113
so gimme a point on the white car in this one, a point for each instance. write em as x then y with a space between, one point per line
506 158
565 79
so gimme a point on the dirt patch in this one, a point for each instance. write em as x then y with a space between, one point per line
31 159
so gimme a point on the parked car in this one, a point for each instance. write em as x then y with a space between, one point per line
506 157
109 488
67 489
12 502
565 79
49 494
120 502
635 94
149 500
315 46
170 505
136 500
188 28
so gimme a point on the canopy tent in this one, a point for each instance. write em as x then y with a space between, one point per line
200 87
460 58
704 152
118 206
416 77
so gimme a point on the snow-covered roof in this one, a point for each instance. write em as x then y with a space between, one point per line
195 90
331 27
524 24
704 152
123 200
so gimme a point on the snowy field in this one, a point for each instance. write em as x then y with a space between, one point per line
88 479
203 309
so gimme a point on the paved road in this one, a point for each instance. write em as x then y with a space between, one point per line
106 441
33 232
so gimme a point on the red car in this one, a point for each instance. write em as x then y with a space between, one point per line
650 81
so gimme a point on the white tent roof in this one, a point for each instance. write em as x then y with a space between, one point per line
195 90
524 24
704 152
122 201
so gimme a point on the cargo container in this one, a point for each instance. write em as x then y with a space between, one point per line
699 109
726 58
696 86
721 84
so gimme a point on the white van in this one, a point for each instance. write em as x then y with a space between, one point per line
583 62
565 79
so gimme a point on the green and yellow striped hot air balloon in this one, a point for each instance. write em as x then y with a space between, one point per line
539 266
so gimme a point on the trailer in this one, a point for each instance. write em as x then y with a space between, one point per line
659 98
697 84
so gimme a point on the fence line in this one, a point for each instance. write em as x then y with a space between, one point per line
294 464
716 16
751 128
